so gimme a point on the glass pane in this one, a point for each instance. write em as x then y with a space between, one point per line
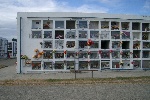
36 65
59 24
47 34
82 24
36 34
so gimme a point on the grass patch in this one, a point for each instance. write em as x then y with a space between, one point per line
3 66
130 78
100 80
124 80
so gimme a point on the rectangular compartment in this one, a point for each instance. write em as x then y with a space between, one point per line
83 65
115 54
83 24
114 25
105 54
115 64
104 35
136 45
125 54
125 25
59 44
125 35
125 64
146 27
59 65
70 65
146 54
83 44
94 55
94 25
70 44
95 45
36 34
83 54
59 34
94 34
36 24
36 65
71 35
136 64
125 44
105 44
104 24
116 44
105 64
48 65
59 24
115 34
146 45
70 24
48 34
146 64
145 35
70 54
135 25
94 64
136 35
47 24
48 54
83 34
48 44
136 53
59 54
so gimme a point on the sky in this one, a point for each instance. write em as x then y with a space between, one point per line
9 9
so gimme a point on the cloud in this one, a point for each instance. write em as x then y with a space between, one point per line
9 9
146 8
107 2
91 8
147 4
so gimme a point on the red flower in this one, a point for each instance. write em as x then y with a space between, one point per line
89 42
132 62
121 52
111 51
89 52
100 52
65 51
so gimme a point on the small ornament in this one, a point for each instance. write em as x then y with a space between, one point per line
65 51
89 52
36 50
121 52
90 42
53 51
121 42
100 51
41 43
132 62
110 51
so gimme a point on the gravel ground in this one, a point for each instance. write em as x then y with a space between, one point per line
77 92
101 91
7 62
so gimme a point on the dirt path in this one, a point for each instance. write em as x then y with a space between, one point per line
7 62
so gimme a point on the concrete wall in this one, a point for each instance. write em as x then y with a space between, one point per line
28 43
